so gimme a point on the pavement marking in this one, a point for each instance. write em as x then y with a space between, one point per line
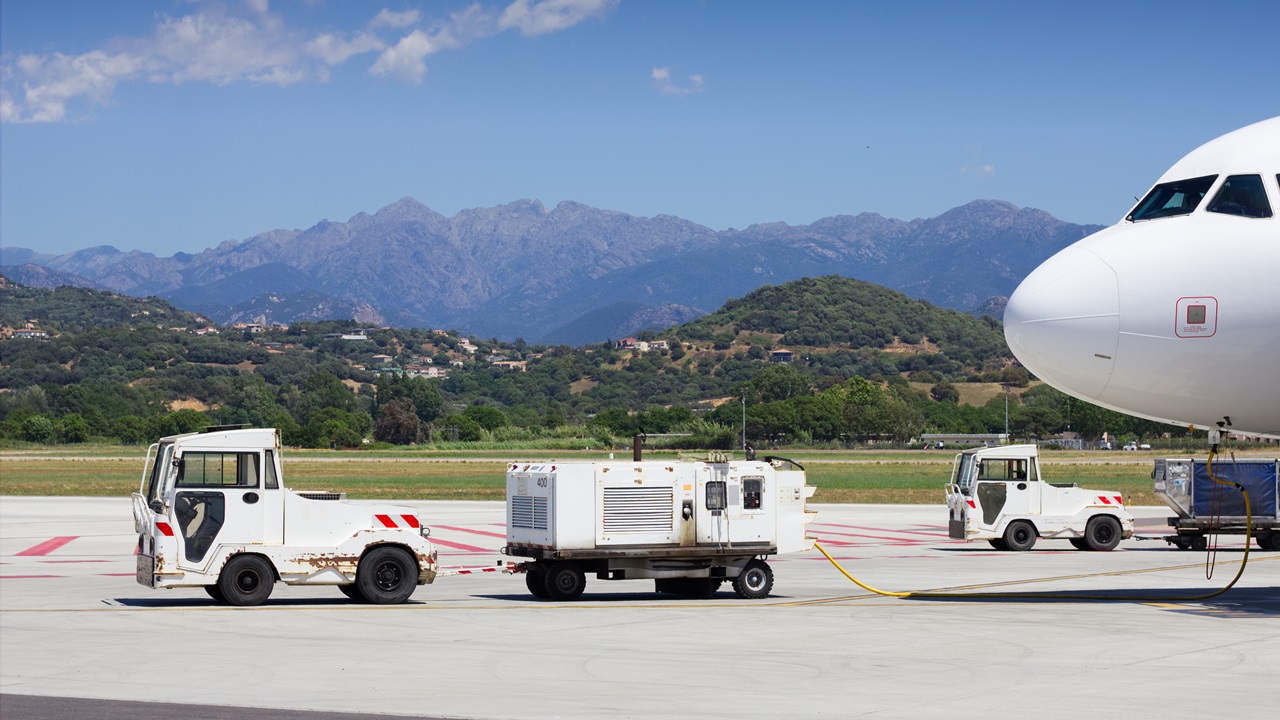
469 530
47 546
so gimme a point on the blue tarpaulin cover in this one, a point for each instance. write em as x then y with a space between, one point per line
1211 499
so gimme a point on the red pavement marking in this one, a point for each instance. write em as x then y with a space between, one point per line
884 538
471 530
64 562
47 546
863 527
460 546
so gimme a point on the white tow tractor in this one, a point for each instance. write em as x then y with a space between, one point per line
998 495
687 525
213 512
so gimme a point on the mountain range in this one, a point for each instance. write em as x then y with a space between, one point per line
573 274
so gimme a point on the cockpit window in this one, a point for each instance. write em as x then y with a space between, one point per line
1175 198
1242 195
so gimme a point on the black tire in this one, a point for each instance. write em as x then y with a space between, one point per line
1102 533
1020 536
215 592
1199 543
755 581
352 591
670 586
535 578
1079 543
1269 541
998 543
246 580
386 576
565 581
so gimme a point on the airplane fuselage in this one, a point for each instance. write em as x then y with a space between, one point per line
1172 314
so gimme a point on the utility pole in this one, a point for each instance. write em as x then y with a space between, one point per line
744 422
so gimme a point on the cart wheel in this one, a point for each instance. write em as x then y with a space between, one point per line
565 581
755 581
387 575
1269 542
246 580
1078 543
352 591
216 593
535 578
998 543
1020 535
1102 533
1199 543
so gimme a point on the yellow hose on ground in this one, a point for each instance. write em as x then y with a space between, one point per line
935 595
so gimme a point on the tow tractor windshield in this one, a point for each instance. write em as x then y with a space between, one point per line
1179 197
964 472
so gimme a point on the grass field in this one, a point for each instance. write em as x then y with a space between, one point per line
911 477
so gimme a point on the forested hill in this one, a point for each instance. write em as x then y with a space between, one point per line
76 309
831 313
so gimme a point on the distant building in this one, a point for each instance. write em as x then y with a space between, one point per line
625 344
514 365
382 359
30 334
782 356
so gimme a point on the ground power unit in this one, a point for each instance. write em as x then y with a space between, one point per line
687 525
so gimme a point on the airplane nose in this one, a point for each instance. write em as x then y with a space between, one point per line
1062 322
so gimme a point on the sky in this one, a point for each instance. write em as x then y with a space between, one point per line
175 125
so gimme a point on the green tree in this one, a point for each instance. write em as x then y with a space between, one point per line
74 428
489 418
37 428
398 422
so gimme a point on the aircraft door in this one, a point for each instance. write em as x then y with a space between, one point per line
218 499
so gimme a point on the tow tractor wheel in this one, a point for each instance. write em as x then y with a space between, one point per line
246 580
386 576
216 593
352 591
1102 533
1020 535
565 581
755 581
1079 543
998 543
535 578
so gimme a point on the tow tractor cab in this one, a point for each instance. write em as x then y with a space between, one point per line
687 525
998 495
213 512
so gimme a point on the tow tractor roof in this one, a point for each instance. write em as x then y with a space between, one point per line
1006 452
216 438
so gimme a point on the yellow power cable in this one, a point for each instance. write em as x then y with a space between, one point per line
1070 595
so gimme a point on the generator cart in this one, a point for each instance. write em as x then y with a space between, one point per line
998 495
687 525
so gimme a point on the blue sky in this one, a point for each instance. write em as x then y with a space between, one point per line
172 126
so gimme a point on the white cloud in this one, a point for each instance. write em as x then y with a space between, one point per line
545 16
217 45
662 81
983 169
407 60
216 48
393 19
335 48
